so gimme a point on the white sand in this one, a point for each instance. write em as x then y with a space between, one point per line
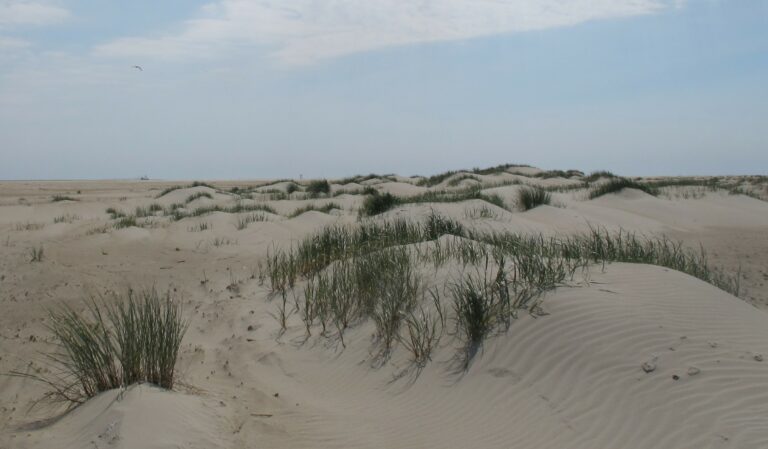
570 379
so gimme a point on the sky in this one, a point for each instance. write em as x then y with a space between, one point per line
253 89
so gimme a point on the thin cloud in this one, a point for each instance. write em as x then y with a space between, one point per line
11 43
305 31
25 12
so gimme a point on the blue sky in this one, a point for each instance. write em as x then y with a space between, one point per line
265 88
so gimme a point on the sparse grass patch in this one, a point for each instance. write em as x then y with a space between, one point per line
325 208
57 198
200 227
244 220
177 187
291 187
125 222
457 179
480 212
101 229
239 207
595 175
198 195
66 218
618 184
223 241
558 174
370 272
114 213
36 254
29 226
531 197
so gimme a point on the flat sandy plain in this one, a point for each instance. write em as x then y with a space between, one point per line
568 378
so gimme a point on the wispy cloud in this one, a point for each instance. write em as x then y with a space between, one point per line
304 31
29 12
11 43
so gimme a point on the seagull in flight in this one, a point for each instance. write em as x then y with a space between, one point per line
138 67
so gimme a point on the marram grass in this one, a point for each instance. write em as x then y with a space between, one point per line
113 344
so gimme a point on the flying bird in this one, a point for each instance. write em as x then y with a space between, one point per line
138 67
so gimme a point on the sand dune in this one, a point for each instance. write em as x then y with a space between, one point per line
621 356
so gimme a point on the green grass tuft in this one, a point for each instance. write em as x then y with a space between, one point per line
57 198
378 204
318 187
115 344
531 197
618 184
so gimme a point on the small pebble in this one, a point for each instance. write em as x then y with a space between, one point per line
759 358
649 367
676 377
277 395
692 371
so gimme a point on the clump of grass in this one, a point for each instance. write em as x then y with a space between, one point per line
200 227
423 331
125 222
471 193
29 226
318 187
101 229
237 208
198 195
531 197
362 178
114 213
378 203
115 344
57 198
177 187
435 179
398 287
325 208
480 212
222 241
558 174
36 254
244 220
291 187
595 175
618 184
148 211
66 218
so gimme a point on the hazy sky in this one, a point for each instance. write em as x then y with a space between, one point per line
279 88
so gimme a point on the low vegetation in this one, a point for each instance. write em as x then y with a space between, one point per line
57 198
318 187
116 343
618 184
376 204
531 197
244 220
375 271
379 203
596 175
325 208
189 186
36 254
198 195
